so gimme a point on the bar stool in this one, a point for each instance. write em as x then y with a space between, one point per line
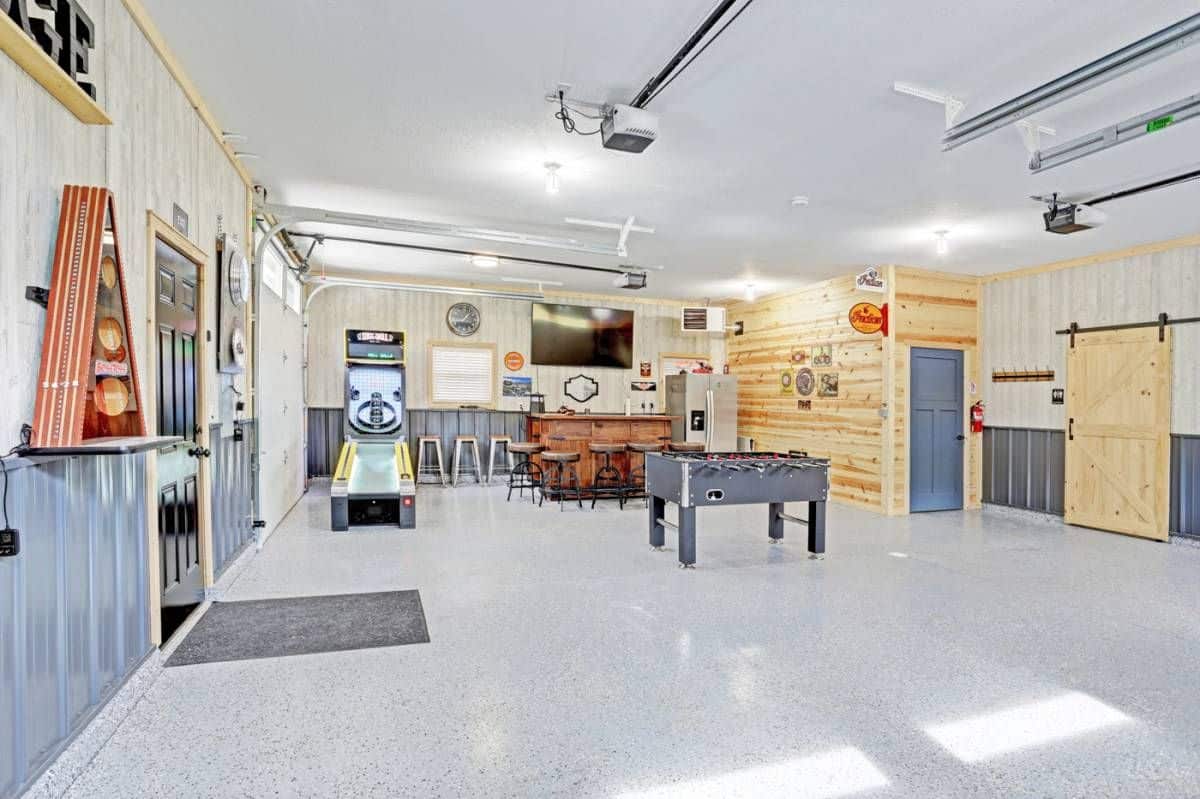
494 444
635 484
684 446
607 481
525 474
474 468
564 465
423 468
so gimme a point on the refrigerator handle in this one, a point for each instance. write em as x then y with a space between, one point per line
708 419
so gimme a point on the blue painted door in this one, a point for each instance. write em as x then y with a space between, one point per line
937 441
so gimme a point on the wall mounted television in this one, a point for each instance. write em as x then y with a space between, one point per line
577 335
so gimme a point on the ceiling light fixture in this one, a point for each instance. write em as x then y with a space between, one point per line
485 261
552 177
750 295
943 244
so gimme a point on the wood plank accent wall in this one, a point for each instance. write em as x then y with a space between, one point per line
847 429
938 310
863 431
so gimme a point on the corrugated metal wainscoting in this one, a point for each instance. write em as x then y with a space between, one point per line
74 621
325 432
1185 485
1024 468
233 487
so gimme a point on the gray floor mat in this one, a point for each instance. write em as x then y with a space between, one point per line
269 628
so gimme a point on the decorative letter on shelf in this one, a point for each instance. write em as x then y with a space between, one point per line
88 382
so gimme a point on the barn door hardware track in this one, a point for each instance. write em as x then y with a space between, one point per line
1161 323
1157 45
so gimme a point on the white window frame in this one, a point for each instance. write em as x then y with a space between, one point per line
484 399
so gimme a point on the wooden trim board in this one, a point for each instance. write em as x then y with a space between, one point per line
49 75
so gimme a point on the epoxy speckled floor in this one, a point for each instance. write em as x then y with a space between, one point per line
944 655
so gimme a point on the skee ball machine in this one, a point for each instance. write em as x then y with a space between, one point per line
373 482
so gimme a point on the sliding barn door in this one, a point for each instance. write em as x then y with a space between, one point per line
1119 431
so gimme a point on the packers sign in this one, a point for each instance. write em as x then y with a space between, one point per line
65 33
868 318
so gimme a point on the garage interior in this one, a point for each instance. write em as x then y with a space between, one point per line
729 398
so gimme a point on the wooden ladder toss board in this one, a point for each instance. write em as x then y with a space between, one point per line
1118 454
88 380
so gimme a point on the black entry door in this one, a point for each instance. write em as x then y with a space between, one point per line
936 454
178 509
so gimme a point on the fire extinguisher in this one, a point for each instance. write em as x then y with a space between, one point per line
977 417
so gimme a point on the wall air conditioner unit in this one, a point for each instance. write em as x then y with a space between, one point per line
703 320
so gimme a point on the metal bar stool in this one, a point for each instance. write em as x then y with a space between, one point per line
564 466
607 482
475 467
437 468
635 484
525 474
494 444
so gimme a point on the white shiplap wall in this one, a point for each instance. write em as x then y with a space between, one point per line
156 153
505 323
1021 314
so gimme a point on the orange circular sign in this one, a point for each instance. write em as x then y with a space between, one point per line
866 317
514 361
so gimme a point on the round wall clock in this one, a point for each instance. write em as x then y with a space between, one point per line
237 274
463 319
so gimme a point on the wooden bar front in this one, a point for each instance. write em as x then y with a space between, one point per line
582 429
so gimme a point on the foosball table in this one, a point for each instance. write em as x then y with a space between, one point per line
694 480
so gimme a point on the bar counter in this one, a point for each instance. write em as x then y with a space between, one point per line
581 429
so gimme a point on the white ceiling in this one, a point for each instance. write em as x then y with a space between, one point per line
435 110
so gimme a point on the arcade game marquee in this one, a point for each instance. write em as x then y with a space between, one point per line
373 482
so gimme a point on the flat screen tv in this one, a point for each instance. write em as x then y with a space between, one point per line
575 335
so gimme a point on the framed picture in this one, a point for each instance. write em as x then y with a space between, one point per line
828 384
806 381
822 355
785 381
516 386
804 405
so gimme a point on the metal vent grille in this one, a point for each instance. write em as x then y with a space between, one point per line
703 320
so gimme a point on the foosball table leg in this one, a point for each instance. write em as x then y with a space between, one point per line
775 523
657 506
687 536
816 529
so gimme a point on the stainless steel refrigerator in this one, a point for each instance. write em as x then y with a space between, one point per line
707 409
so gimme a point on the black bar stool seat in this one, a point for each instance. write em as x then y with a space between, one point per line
525 474
564 466
608 481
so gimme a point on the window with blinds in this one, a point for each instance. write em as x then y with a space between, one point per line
462 375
